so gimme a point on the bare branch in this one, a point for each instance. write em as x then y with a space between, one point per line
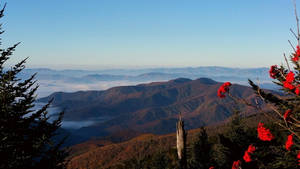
296 134
294 33
292 45
287 63
241 100
297 20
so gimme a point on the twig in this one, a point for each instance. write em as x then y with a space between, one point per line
292 45
297 20
275 110
270 117
276 121
297 121
242 101
296 134
295 124
287 63
294 33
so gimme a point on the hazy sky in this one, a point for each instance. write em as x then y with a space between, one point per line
127 33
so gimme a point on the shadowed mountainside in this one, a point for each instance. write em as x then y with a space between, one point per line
152 107
105 154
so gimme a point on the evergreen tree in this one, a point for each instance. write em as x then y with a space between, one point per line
276 147
200 151
285 109
230 144
158 160
25 135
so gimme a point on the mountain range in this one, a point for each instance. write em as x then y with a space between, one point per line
74 80
151 107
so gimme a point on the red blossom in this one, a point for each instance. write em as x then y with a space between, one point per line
297 90
289 142
247 157
273 71
249 151
295 58
287 114
211 167
223 89
290 77
251 148
288 81
220 94
288 85
264 134
296 55
236 164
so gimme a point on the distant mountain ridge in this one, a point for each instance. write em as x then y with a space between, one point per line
204 70
139 74
74 80
151 107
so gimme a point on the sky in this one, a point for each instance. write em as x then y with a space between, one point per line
99 34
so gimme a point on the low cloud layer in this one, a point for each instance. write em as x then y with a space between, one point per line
46 87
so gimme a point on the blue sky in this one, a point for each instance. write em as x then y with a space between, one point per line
96 34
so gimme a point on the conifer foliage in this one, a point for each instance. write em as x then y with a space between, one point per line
284 112
200 151
25 135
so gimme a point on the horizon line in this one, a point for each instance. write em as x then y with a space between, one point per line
93 68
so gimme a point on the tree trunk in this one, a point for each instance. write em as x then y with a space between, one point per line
181 143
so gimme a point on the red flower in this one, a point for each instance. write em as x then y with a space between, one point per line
211 167
247 156
263 133
289 142
273 71
223 89
236 164
290 77
295 58
287 114
296 55
297 90
288 85
288 81
220 94
251 148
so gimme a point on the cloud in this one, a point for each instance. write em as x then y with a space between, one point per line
49 86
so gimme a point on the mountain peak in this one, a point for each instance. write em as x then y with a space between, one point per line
181 80
206 81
